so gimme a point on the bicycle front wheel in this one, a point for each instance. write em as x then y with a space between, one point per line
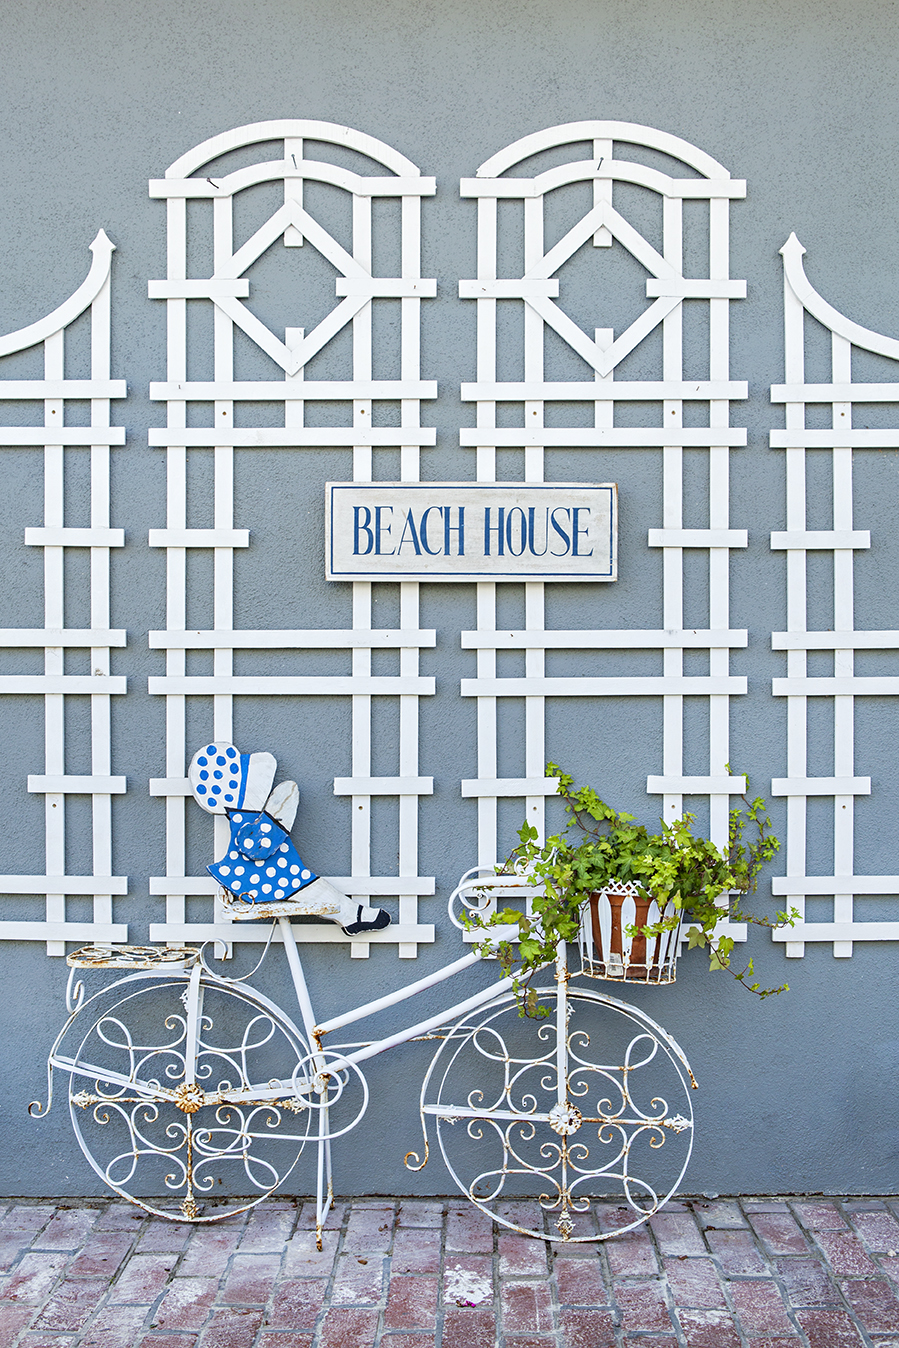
579 1110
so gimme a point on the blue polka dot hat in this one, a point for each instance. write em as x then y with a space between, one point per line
221 778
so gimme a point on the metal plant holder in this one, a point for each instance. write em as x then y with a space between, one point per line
606 949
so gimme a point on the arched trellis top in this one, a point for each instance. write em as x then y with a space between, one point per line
571 133
291 128
65 313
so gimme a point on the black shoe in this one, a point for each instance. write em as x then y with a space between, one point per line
380 920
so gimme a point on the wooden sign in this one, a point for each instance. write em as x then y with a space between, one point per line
455 531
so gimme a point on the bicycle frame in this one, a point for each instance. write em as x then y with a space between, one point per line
323 1071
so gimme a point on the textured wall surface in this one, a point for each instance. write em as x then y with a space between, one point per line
796 1093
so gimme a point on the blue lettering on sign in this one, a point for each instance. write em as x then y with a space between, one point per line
532 510
578 530
362 527
449 528
559 530
409 535
495 528
381 528
509 531
423 531
522 535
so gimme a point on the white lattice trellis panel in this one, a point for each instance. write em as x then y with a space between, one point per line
603 163
358 288
841 541
59 441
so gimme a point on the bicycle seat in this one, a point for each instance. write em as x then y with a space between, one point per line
167 959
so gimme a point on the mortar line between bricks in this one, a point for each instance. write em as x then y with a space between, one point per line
822 1253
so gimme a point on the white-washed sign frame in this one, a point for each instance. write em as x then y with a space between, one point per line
384 531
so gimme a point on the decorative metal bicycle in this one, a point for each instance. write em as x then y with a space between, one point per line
185 1081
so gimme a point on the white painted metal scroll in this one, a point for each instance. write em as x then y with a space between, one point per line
841 541
60 441
599 157
193 179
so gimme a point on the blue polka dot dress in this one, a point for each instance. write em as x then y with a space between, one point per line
261 864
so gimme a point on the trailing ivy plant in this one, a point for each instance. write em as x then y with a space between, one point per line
600 846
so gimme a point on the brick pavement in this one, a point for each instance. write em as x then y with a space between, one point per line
821 1273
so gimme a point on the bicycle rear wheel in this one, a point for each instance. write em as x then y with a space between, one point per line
164 1115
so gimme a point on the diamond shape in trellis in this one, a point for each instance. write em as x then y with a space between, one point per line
603 360
360 284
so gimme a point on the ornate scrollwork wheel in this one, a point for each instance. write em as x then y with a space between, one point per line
590 1105
189 1107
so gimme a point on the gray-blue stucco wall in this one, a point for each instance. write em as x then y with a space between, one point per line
97 97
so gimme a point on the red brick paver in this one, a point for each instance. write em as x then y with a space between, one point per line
411 1273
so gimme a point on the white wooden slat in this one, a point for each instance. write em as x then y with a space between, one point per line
216 287
291 437
627 686
838 932
72 636
494 787
306 638
834 439
62 435
23 390
56 934
614 437
63 884
62 683
821 786
604 639
845 686
826 885
386 287
520 289
830 318
383 786
695 289
821 539
631 390
90 785
199 538
885 640
698 538
723 785
314 390
75 538
835 393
